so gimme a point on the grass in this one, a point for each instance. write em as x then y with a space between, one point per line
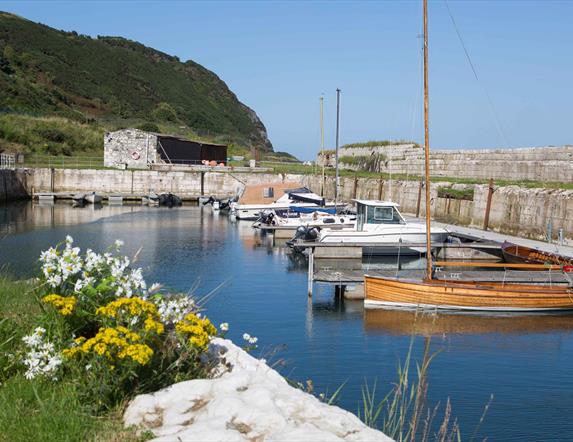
403 413
42 410
377 143
457 194
49 135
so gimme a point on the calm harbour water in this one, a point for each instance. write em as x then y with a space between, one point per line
523 361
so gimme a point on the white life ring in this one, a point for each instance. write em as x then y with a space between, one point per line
135 155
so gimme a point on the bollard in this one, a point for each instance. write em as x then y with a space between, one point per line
488 205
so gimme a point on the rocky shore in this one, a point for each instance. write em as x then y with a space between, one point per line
245 401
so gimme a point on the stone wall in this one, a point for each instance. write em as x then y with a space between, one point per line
131 148
514 210
15 184
533 164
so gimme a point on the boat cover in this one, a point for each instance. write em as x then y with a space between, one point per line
307 197
330 210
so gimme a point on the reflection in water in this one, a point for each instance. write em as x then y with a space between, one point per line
327 339
424 323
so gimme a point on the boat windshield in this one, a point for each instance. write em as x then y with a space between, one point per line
383 215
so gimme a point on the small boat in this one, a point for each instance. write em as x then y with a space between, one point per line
292 220
93 198
515 253
278 196
466 295
79 198
379 226
169 200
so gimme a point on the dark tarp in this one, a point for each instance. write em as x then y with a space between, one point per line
180 151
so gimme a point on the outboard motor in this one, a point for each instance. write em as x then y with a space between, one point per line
304 233
211 200
266 218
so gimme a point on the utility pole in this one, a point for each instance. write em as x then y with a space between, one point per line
336 154
322 143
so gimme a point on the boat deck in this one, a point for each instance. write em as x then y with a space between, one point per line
342 276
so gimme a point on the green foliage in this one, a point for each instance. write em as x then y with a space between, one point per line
164 112
41 410
280 156
44 71
149 127
49 135
466 193
375 143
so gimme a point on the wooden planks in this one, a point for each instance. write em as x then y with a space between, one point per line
467 295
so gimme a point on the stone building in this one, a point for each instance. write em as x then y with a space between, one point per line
138 149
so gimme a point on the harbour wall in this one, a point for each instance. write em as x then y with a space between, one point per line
532 163
514 210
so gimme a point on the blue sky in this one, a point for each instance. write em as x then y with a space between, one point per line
279 57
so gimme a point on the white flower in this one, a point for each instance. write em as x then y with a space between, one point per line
69 239
155 287
253 340
224 327
118 244
41 358
246 337
88 367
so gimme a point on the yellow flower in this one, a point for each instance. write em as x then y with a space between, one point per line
124 308
112 344
198 330
64 305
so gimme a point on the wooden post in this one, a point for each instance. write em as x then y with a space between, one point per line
488 205
202 184
354 191
419 199
380 187
310 272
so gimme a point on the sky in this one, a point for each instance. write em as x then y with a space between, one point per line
279 57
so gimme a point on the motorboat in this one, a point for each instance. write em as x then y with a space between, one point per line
93 198
293 197
384 231
292 219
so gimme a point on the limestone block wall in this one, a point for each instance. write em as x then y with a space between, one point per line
132 147
533 164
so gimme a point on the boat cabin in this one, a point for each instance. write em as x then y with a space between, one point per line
377 212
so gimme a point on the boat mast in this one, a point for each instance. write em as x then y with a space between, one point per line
336 154
427 147
322 143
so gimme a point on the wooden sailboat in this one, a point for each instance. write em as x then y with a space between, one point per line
459 295
520 254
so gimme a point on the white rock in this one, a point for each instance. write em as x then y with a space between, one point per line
247 401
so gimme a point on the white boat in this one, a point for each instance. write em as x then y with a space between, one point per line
300 197
380 222
93 198
293 220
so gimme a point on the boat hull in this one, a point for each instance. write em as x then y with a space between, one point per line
515 254
387 240
93 198
448 295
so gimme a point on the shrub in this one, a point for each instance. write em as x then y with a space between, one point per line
149 127
164 112
105 331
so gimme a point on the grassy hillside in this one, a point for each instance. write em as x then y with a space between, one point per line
111 82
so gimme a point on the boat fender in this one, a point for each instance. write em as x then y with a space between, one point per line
135 155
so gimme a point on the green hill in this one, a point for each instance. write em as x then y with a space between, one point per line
111 82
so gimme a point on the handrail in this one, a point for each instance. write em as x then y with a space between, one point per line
496 265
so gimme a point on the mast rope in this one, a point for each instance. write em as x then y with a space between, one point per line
489 100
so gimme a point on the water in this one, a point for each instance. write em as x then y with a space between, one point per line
523 361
